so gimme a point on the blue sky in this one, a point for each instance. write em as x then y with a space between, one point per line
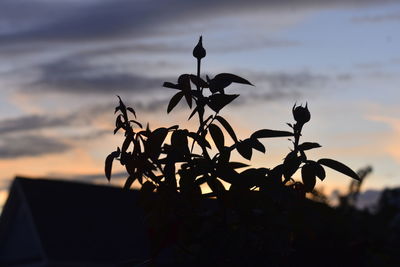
63 62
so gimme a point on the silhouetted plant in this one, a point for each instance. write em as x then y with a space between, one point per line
175 162
151 160
349 200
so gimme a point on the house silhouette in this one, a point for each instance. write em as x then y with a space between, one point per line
60 223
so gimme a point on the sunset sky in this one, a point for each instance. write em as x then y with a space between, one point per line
63 62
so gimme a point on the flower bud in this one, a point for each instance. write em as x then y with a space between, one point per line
199 52
301 114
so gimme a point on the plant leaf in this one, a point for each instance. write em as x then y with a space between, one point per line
179 141
237 165
244 149
232 78
217 136
188 97
174 101
117 129
147 187
108 163
227 127
129 181
119 122
290 165
122 106
198 81
223 80
132 111
308 177
199 139
219 101
227 174
193 112
174 127
154 142
126 143
216 186
265 133
340 167
184 85
184 82
257 145
318 170
308 146
171 85
137 123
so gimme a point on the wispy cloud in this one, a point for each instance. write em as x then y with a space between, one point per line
30 145
378 18
289 80
32 122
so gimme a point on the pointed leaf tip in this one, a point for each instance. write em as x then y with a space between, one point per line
266 133
308 146
219 101
227 127
217 136
108 163
174 101
340 167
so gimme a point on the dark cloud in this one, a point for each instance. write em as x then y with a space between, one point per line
163 48
76 76
94 20
34 122
137 48
29 146
278 86
77 118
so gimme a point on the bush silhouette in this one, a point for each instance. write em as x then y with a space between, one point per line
175 162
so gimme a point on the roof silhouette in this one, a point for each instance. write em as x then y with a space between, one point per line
60 222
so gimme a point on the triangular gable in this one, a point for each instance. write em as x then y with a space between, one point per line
78 222
19 242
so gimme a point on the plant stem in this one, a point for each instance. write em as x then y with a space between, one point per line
297 133
198 72
201 119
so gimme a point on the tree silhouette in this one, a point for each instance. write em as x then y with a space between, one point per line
175 162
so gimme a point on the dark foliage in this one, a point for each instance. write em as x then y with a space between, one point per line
260 213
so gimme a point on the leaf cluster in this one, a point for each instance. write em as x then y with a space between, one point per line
179 163
149 158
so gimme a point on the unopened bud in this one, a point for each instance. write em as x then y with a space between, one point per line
301 114
199 52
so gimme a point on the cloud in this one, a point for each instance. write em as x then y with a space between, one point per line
33 122
80 31
30 145
275 96
377 18
287 80
77 76
246 45
95 20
